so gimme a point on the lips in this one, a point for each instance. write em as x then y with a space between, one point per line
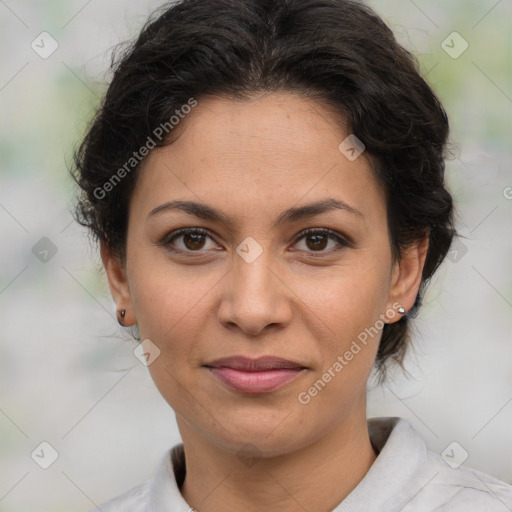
254 376
255 365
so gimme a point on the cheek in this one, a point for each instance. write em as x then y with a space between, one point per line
166 298
350 334
348 298
344 316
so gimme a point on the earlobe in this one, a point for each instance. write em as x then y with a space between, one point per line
120 316
118 284
407 276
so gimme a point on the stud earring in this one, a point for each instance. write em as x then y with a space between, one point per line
120 316
401 310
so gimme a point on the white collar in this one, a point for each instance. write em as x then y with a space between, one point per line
402 458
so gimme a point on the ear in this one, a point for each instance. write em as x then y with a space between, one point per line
406 278
118 284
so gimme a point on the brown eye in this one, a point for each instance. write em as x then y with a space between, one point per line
193 241
187 240
317 240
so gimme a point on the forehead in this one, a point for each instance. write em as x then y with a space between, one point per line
272 150
286 125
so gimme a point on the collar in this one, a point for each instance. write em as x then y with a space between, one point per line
402 454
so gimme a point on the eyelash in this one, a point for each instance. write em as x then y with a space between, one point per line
168 239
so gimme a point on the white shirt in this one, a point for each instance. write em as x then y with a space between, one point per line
405 477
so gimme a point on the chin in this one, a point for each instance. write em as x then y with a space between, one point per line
268 437
257 445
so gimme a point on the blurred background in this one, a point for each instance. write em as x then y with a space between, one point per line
68 375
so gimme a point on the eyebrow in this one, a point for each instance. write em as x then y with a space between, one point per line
294 214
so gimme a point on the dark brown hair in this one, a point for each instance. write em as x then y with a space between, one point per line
337 51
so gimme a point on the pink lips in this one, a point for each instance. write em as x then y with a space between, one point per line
255 375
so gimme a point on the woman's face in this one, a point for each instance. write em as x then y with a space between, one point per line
253 284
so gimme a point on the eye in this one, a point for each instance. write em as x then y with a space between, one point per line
192 240
316 240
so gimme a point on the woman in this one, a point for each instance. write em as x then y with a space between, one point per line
266 181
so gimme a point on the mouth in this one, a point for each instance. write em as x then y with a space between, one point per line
255 376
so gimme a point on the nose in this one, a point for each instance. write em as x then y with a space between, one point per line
255 297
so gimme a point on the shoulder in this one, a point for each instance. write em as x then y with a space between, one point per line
407 477
465 489
159 493
135 500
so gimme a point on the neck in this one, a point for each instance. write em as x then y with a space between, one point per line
325 472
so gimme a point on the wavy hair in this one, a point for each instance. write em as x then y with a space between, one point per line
339 52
